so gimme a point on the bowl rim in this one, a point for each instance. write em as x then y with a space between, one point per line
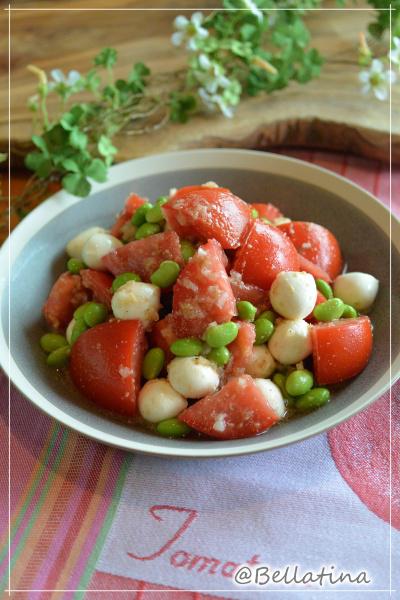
257 161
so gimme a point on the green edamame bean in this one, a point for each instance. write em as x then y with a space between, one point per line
58 358
166 274
147 229
221 335
77 330
264 330
190 346
330 310
124 278
52 341
154 214
187 249
172 428
268 314
324 288
246 310
153 363
74 265
299 382
220 356
139 216
254 213
280 380
312 399
95 313
349 312
79 312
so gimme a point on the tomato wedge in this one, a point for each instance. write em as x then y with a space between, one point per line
313 269
65 296
106 363
266 252
202 213
163 335
202 293
241 349
247 291
341 349
99 283
268 211
131 204
317 244
238 410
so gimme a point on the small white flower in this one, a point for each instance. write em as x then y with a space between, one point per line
394 54
210 75
189 31
214 101
253 9
377 79
58 77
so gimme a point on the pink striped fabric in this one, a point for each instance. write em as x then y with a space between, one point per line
65 489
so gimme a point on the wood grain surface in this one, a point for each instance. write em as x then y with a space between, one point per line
329 112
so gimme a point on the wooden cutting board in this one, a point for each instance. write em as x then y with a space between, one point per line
329 112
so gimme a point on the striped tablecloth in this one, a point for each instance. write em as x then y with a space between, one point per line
66 490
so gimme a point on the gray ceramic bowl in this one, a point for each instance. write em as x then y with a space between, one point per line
302 191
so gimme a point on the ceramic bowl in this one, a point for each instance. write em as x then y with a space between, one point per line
35 253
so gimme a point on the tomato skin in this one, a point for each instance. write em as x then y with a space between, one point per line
65 296
268 211
131 204
317 244
106 363
313 269
341 349
144 256
245 410
202 213
266 251
241 349
99 283
202 293
247 291
163 335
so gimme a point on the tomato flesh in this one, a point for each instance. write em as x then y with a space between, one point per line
106 363
247 291
65 296
202 293
202 213
163 335
131 204
100 285
241 349
313 269
341 349
317 244
238 410
143 257
266 252
268 211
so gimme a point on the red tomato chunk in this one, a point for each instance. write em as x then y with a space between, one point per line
131 204
238 410
341 349
99 283
317 244
163 335
106 363
268 211
202 293
201 213
247 291
266 252
143 257
313 269
65 296
241 349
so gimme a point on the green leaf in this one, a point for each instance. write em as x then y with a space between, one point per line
105 146
106 58
56 139
76 184
137 77
70 165
39 163
3 157
78 139
97 170
40 143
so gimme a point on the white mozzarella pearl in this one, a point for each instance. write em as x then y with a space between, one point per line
75 246
68 332
293 294
261 363
158 401
291 342
97 246
193 376
136 300
273 396
357 289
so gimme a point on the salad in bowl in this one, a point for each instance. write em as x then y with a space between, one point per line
203 315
